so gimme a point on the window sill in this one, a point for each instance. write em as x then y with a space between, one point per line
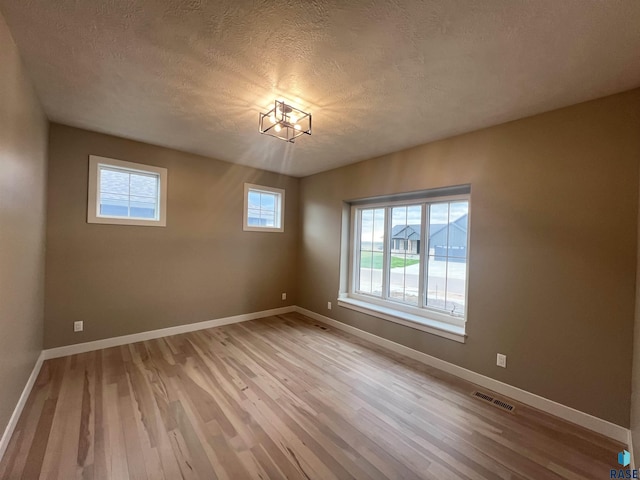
138 222
263 229
451 332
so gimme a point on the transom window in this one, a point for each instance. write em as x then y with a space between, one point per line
263 208
126 193
409 261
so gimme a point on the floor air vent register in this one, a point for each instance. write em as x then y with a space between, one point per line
496 402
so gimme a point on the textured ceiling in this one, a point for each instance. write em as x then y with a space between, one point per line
378 75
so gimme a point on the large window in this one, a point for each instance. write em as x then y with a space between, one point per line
126 193
408 261
263 208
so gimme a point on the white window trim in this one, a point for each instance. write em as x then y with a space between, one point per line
93 197
279 208
420 318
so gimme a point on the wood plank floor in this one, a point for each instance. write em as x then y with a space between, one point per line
281 397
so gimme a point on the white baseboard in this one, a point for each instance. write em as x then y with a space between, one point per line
163 332
611 430
15 416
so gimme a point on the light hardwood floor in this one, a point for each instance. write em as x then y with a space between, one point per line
280 397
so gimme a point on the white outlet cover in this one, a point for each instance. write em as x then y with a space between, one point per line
329 305
78 326
284 296
501 360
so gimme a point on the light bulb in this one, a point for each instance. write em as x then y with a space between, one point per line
297 127
278 128
293 118
272 118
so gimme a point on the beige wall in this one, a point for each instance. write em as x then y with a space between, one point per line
552 254
635 370
125 279
23 148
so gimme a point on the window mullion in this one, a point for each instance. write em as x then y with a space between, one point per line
386 253
357 258
446 264
421 257
129 197
157 197
428 254
98 192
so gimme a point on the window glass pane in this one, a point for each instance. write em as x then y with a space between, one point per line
371 251
253 217
436 282
458 222
254 199
377 244
404 254
114 205
268 201
366 272
366 230
268 219
142 207
456 286
112 181
145 200
107 197
144 185
447 268
438 231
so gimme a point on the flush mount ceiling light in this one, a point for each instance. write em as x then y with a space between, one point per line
285 122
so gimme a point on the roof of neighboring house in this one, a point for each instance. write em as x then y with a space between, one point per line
412 232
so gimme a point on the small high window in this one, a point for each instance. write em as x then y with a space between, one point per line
263 208
125 193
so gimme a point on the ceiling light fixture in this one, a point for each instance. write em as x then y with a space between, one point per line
285 122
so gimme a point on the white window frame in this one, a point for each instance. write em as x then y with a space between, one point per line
279 208
93 197
419 317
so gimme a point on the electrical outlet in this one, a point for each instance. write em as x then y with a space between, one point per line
501 360
284 296
329 305
78 326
